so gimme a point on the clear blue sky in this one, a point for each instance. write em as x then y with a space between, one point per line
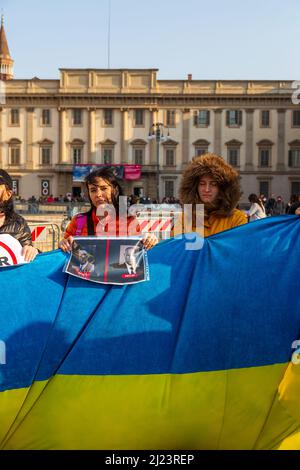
220 39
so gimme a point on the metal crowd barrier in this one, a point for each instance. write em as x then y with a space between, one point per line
160 224
63 208
45 236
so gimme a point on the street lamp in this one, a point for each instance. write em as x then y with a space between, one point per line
157 132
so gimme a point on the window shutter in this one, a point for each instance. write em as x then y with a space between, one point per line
227 118
208 118
195 118
290 158
240 117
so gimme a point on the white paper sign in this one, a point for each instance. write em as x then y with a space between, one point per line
10 251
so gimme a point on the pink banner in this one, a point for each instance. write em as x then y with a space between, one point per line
132 172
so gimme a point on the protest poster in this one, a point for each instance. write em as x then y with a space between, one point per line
10 251
113 260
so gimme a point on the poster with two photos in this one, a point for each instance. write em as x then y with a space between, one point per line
113 260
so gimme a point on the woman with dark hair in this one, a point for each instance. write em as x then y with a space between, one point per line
209 180
103 219
294 198
257 209
10 222
295 208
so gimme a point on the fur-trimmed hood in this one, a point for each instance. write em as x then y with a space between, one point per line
225 175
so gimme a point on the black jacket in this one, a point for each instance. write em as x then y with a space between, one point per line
16 226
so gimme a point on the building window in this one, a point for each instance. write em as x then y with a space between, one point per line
170 118
46 155
294 158
138 155
107 155
296 118
14 117
265 153
265 118
169 188
138 151
264 188
77 155
46 117
295 187
234 156
15 153
77 117
264 157
108 117
138 117
201 147
200 151
234 118
202 118
170 156
233 152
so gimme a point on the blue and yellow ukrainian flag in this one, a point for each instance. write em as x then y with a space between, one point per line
197 358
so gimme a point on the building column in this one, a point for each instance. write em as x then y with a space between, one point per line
281 113
29 139
152 143
91 157
62 136
185 136
124 157
217 131
249 139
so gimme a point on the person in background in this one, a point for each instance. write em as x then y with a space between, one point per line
294 198
50 199
10 222
279 206
257 209
104 191
263 199
210 181
270 205
295 208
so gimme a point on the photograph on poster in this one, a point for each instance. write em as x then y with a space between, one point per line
108 260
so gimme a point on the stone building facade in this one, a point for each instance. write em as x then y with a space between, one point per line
105 116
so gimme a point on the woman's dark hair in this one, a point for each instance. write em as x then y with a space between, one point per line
108 175
294 198
7 207
254 198
294 207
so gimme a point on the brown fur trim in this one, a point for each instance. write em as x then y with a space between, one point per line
224 174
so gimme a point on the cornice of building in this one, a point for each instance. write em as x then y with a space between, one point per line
140 87
148 101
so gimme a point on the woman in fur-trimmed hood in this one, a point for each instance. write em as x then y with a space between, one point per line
209 180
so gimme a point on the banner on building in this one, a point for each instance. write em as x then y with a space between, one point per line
80 172
132 172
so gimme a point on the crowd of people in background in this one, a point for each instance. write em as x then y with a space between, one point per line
275 205
260 206
50 199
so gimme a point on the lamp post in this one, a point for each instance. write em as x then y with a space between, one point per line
157 132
